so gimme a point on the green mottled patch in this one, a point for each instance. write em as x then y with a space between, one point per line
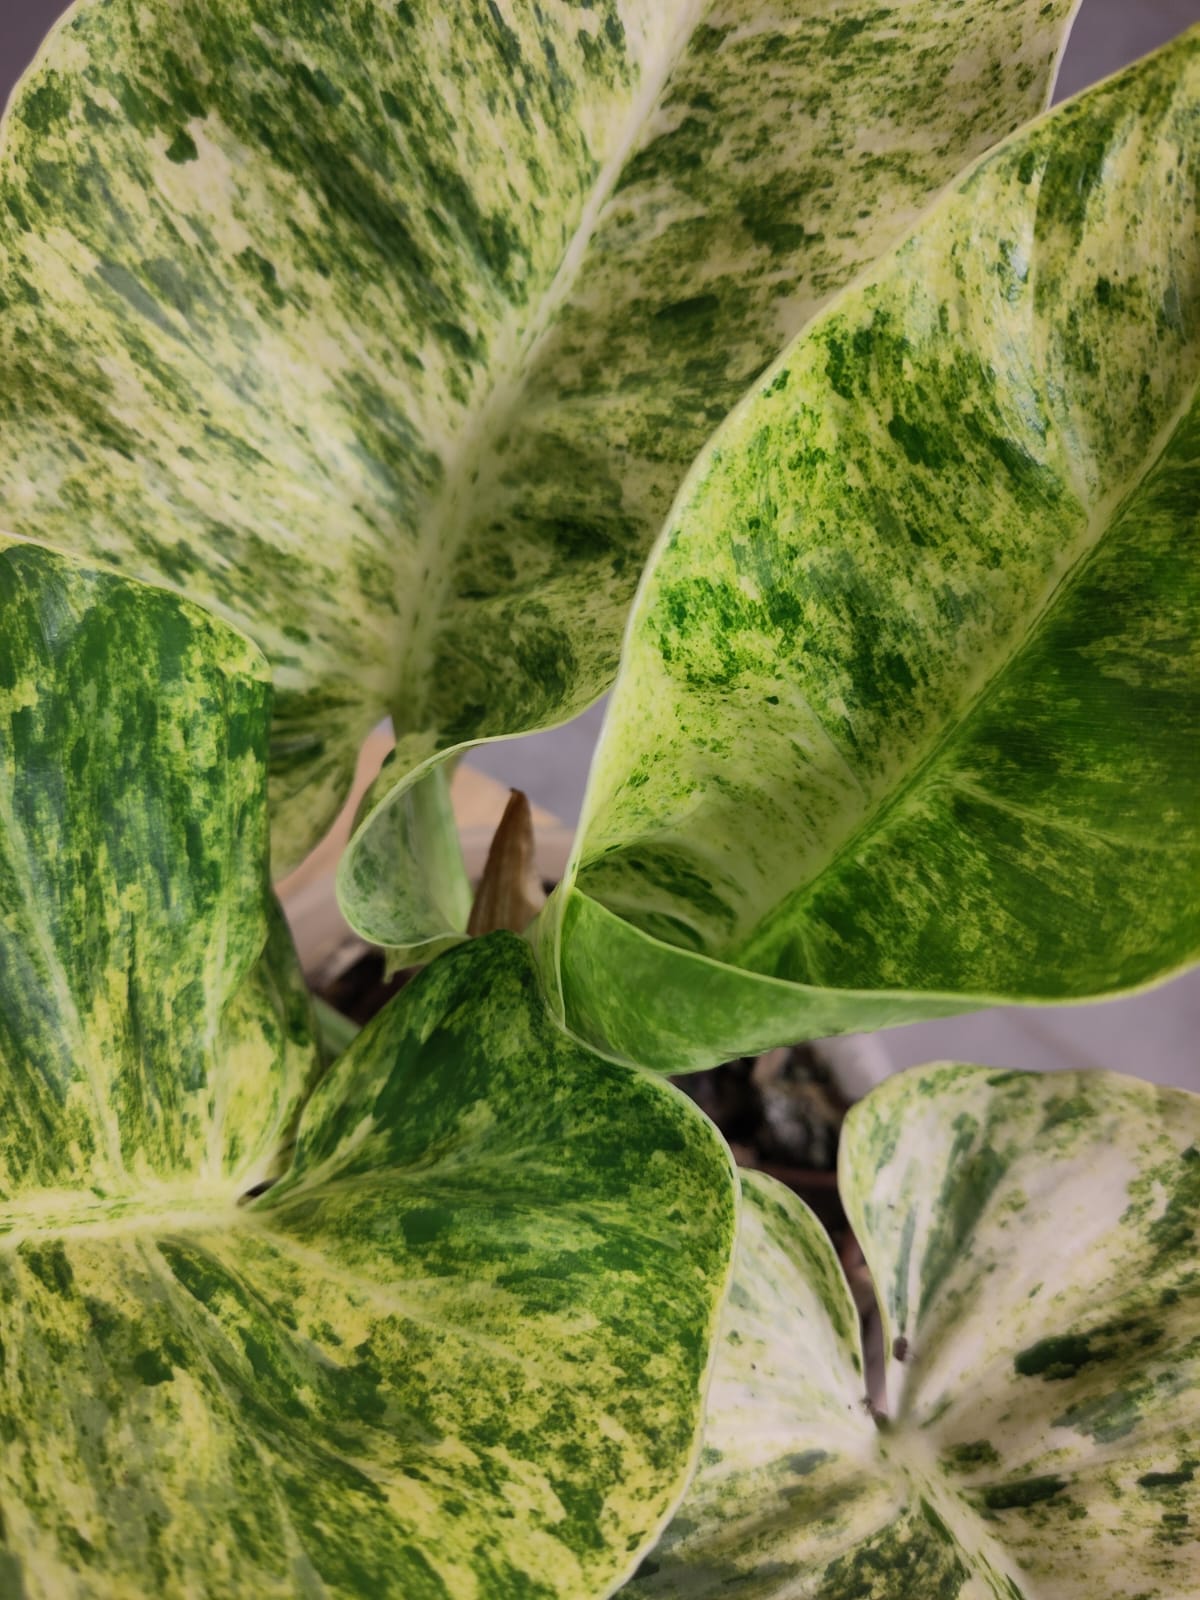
457 1345
1168 1480
1018 1495
970 1457
390 335
907 716
977 1484
151 1021
1059 1357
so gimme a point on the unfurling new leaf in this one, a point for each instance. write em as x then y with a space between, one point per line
909 712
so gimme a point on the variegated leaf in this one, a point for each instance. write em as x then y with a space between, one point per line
1035 1243
149 1029
458 1350
909 715
789 1447
388 332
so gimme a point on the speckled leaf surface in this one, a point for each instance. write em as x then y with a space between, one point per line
458 1350
152 1023
389 333
1035 1244
908 716
788 1442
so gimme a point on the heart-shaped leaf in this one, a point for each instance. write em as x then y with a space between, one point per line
1034 1240
388 332
909 714
152 1022
458 1349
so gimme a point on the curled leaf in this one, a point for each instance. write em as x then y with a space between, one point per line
909 712
391 340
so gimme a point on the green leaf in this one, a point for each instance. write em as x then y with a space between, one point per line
542 1241
335 1030
390 339
459 1349
907 719
788 1443
148 1026
409 856
1034 1241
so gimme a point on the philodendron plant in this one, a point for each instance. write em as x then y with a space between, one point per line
907 717
1041 1304
352 355
458 1348
388 331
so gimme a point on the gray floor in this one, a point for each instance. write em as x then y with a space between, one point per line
1155 1035
1108 34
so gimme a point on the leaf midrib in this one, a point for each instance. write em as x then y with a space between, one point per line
1099 524
445 529
175 1209
222 1214
908 1455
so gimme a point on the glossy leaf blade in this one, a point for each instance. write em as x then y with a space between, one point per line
1034 1241
788 1464
148 1025
908 713
459 1350
573 1224
392 342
